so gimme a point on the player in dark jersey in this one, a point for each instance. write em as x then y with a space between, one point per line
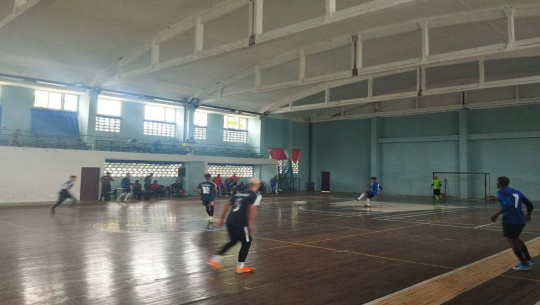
65 192
208 191
513 220
240 224
374 190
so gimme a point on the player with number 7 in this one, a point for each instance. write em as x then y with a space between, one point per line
513 220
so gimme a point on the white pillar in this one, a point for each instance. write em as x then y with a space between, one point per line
199 35
463 153
425 41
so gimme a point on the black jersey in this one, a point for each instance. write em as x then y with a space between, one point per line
207 190
240 205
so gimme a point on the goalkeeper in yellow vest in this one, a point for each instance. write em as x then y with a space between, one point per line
436 186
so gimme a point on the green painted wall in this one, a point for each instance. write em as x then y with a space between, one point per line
415 146
288 135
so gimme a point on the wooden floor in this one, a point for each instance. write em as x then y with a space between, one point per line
309 249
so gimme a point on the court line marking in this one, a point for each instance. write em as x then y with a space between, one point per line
399 297
489 224
361 234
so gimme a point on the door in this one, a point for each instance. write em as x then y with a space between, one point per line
325 182
90 183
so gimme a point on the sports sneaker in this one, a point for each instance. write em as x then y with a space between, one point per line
210 220
357 199
53 211
522 267
530 262
245 269
367 206
214 265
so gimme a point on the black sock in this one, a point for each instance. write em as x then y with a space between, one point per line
211 211
519 255
525 252
207 210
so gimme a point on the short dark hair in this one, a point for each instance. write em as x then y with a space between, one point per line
207 176
72 176
374 178
503 181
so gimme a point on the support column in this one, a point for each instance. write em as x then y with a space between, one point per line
375 151
92 114
189 123
463 152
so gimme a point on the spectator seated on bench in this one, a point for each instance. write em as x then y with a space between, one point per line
137 190
159 190
177 190
148 191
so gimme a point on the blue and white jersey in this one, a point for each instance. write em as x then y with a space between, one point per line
67 185
511 202
375 187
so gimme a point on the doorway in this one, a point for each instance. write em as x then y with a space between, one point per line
90 183
325 182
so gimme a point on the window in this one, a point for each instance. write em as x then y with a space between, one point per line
141 169
201 124
242 171
56 101
235 129
159 129
159 121
296 167
109 107
108 124
160 114
109 112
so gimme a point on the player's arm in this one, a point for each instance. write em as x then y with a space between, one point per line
197 190
380 187
251 216
216 191
495 216
529 206
224 213
431 186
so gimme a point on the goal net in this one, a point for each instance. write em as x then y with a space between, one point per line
464 185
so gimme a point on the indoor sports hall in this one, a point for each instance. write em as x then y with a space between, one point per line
269 151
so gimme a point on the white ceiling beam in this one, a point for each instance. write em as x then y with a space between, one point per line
421 24
510 17
261 38
20 7
389 97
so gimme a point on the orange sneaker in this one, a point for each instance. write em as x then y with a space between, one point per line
214 265
245 269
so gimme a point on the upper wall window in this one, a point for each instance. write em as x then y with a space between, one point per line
108 118
235 129
56 101
159 121
159 114
109 107
201 125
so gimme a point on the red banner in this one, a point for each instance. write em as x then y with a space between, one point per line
278 154
295 155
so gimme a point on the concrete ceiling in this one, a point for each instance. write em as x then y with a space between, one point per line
82 41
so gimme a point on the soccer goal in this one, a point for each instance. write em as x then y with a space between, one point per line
468 185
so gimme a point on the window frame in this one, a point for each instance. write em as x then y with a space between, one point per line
62 101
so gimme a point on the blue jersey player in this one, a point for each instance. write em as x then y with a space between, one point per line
373 190
513 220
208 190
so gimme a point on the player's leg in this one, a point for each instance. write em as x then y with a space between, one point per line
369 195
361 196
242 255
61 198
525 252
211 211
511 232
215 261
127 196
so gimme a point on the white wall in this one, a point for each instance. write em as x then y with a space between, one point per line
35 175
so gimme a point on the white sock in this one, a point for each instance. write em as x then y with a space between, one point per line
239 265
127 197
368 201
217 258
361 196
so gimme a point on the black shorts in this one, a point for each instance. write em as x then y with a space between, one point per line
207 202
436 192
239 233
512 230
370 195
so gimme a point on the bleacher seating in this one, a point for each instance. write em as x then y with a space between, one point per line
56 141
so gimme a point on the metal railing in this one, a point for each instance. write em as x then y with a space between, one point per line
120 144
